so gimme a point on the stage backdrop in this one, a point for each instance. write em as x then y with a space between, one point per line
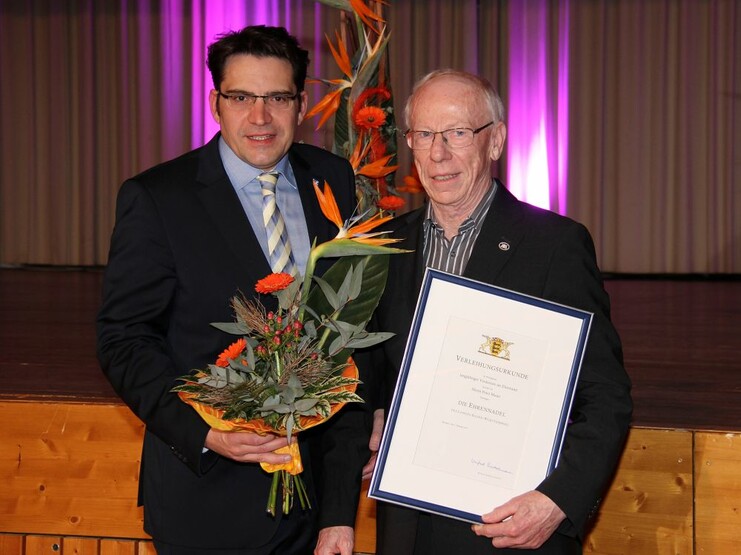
624 115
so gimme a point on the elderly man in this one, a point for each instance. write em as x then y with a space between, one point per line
473 226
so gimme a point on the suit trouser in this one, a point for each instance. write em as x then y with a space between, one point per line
298 538
402 531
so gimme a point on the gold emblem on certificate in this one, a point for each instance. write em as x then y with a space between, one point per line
496 347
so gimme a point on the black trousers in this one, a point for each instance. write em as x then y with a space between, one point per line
296 536
402 531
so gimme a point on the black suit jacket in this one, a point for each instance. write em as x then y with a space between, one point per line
544 255
181 248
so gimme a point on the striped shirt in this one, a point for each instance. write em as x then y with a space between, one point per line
452 255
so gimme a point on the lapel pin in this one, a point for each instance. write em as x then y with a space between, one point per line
504 246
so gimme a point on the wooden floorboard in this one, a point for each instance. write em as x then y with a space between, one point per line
681 339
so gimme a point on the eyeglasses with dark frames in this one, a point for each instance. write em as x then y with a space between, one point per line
239 101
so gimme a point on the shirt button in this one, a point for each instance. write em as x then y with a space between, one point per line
452 254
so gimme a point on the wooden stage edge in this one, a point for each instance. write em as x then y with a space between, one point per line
69 450
680 341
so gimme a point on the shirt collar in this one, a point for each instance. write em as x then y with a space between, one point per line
474 220
242 174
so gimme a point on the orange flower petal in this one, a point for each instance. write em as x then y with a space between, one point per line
365 13
231 352
328 204
378 168
274 282
391 203
326 106
359 152
370 117
341 57
368 225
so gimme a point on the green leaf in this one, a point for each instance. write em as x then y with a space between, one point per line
344 290
342 127
234 328
347 247
295 383
339 4
368 339
337 345
356 283
303 405
310 326
286 297
289 426
329 293
250 356
280 408
358 311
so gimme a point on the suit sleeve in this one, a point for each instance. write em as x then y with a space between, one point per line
602 405
132 326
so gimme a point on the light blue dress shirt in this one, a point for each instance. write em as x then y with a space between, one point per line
244 180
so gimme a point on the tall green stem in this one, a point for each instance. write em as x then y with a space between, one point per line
278 364
308 277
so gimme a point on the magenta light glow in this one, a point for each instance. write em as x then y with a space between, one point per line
210 19
216 17
537 133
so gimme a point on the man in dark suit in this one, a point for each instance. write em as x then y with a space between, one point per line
473 226
189 235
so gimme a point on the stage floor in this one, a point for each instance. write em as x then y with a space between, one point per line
680 339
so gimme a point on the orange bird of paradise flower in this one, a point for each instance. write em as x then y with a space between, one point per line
351 230
328 105
353 237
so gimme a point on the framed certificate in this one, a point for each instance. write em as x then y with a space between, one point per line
482 400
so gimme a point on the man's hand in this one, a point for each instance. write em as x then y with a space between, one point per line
335 539
525 521
374 443
247 447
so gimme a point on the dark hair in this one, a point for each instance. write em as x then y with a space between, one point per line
260 41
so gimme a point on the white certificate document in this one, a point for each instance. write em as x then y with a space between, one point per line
482 400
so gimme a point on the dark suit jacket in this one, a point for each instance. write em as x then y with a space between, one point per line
551 257
181 248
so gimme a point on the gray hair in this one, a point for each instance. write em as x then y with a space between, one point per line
493 100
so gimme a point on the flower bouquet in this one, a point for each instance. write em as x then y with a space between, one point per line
362 105
291 368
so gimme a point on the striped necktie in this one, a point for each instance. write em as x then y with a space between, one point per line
279 247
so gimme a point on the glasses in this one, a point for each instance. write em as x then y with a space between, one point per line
242 101
458 137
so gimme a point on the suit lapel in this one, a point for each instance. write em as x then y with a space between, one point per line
501 233
407 270
223 206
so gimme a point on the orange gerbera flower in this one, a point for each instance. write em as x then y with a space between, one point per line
390 203
411 185
231 352
370 117
273 283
